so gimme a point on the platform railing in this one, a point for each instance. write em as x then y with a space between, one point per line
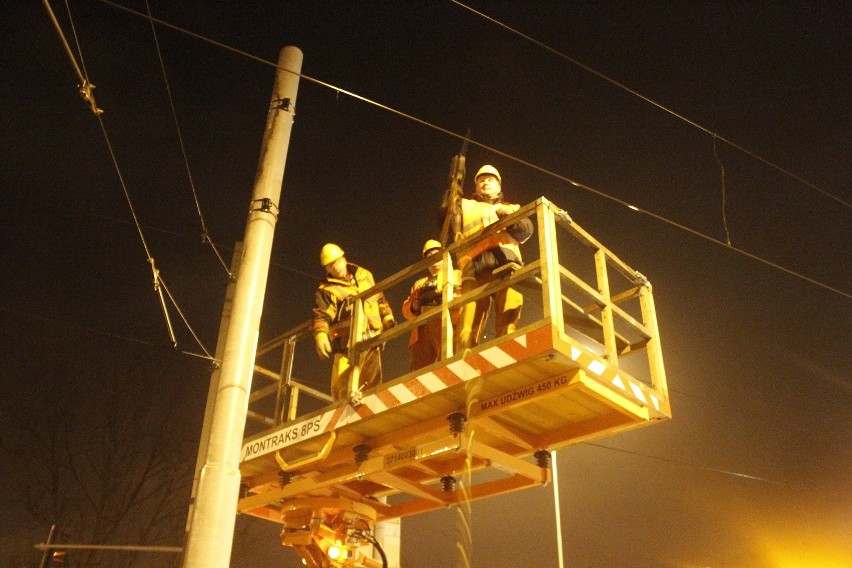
604 303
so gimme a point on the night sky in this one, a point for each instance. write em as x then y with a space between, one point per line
754 468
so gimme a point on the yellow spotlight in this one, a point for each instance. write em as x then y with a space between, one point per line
334 552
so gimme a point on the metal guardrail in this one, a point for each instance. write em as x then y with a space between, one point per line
568 278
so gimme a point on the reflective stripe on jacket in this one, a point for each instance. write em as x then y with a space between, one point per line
477 215
333 310
429 289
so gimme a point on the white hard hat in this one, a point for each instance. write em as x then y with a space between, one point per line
430 246
490 170
329 253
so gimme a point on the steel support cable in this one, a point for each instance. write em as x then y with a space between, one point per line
205 234
724 194
654 103
684 464
86 89
159 284
155 272
656 216
183 317
153 228
462 138
99 332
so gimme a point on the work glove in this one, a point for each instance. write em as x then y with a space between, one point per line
415 302
522 230
323 345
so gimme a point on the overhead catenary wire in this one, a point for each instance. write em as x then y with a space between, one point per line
660 106
150 259
85 87
696 467
205 234
724 193
153 228
94 331
685 464
162 283
159 284
674 461
512 157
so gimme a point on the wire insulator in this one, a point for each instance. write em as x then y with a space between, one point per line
457 421
542 459
362 452
448 483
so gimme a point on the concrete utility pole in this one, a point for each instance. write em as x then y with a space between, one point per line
211 523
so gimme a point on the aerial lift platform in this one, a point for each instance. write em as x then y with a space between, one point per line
585 363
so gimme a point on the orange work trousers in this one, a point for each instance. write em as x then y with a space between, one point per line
425 344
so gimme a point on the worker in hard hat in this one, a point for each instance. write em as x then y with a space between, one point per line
489 258
332 316
424 343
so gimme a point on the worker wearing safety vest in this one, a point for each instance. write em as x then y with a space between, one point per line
489 258
332 317
426 294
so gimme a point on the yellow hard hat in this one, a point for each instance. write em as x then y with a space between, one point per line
329 253
430 246
488 169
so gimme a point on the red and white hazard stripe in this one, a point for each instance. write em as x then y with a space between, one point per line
463 370
499 356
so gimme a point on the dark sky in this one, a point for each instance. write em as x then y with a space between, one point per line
754 468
